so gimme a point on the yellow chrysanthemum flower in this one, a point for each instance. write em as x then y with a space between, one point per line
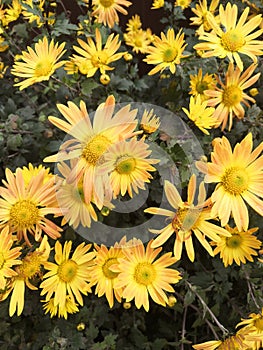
238 175
166 52
199 83
101 274
70 307
39 64
30 268
201 115
239 247
149 122
94 56
182 3
128 166
8 257
202 11
187 219
90 142
228 98
13 11
139 40
234 342
67 275
235 38
157 4
141 275
24 207
134 24
254 326
106 11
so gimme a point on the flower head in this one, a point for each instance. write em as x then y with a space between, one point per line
199 83
233 342
166 52
70 307
134 24
238 175
182 3
139 40
187 219
202 11
39 64
156 4
149 122
232 37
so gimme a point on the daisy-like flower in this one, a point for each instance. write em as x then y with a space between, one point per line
8 257
149 122
182 3
233 342
134 23
239 247
94 56
70 307
238 175
38 64
91 142
202 11
166 52
139 40
187 219
71 200
141 275
67 275
235 38
157 4
228 98
106 11
199 83
24 207
30 268
129 167
101 274
201 115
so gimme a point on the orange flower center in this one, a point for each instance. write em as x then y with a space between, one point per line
144 273
234 242
185 219
95 148
232 95
23 214
170 54
106 268
125 165
232 40
235 180
67 270
107 3
43 68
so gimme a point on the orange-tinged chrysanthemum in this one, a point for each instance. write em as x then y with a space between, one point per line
106 11
167 51
238 175
24 207
186 220
68 275
8 257
91 141
128 166
101 274
149 122
199 83
239 247
141 275
232 36
94 55
229 97
38 64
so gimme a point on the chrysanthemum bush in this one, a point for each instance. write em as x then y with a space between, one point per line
87 93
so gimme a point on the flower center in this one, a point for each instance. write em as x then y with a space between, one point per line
100 58
125 165
30 265
95 148
185 219
138 41
232 40
23 214
43 68
107 3
232 95
106 268
169 54
258 323
235 180
234 242
2 260
144 273
67 270
201 86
